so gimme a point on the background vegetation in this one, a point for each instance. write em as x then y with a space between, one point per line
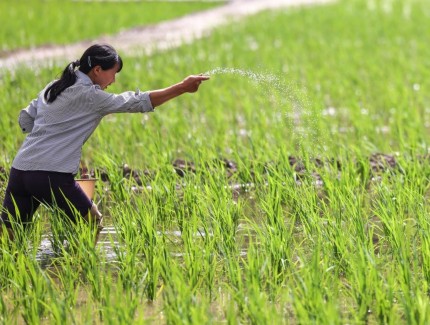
32 23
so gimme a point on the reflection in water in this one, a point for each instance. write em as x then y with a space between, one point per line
107 245
46 254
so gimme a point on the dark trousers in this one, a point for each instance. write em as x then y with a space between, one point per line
26 190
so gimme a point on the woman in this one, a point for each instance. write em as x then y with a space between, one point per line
58 124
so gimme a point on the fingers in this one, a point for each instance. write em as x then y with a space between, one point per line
192 83
199 77
202 77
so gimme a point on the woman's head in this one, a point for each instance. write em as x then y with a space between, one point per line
104 56
99 62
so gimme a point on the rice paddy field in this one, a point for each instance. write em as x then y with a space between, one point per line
293 188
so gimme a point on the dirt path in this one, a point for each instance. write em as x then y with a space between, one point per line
161 36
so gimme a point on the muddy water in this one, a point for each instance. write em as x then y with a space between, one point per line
108 242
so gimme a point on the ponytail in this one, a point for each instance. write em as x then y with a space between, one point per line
67 79
103 55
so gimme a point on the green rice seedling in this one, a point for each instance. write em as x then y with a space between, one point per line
211 267
193 254
212 262
198 240
223 213
342 210
113 168
235 287
363 276
303 206
255 264
397 201
30 289
22 282
263 295
256 304
88 311
396 226
314 293
8 252
82 254
152 247
93 275
337 244
199 255
65 278
224 222
62 228
5 316
231 314
137 276
8 310
129 266
362 271
276 234
94 278
137 229
187 205
20 236
261 309
386 297
181 302
423 227
60 310
417 195
120 306
290 198
419 312
162 196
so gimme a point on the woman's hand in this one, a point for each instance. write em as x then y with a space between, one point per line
192 83
189 85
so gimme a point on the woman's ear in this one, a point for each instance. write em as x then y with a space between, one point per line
97 69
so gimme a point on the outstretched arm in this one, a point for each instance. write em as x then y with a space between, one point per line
189 85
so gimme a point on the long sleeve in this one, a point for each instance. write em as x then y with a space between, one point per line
27 116
126 102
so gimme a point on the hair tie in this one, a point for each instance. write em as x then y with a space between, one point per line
89 61
77 63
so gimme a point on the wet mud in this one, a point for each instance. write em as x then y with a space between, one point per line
370 168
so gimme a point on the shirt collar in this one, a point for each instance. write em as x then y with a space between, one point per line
83 78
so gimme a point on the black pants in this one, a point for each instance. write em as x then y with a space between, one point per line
26 190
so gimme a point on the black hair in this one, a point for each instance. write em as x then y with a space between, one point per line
103 55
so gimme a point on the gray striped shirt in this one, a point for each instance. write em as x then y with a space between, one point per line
58 130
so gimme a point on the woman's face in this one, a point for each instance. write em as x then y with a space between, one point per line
103 78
